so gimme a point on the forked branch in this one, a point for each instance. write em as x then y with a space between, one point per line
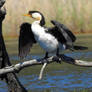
19 66
42 70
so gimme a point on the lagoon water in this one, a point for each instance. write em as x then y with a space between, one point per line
57 77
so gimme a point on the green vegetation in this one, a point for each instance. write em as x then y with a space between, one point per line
12 44
84 40
82 90
75 14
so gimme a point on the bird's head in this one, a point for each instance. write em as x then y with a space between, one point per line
36 15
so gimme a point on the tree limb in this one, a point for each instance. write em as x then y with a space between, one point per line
42 70
2 3
75 61
11 79
19 66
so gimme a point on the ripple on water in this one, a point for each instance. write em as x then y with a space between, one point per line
65 82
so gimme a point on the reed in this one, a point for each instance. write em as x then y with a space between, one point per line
75 14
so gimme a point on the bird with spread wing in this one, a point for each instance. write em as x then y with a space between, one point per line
52 39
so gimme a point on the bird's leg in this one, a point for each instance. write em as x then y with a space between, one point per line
46 55
44 60
58 55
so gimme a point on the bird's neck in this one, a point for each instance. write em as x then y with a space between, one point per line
37 29
36 22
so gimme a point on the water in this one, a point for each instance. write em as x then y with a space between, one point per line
60 81
57 77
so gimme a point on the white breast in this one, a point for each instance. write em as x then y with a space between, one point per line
48 42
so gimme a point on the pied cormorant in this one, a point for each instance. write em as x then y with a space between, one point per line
50 39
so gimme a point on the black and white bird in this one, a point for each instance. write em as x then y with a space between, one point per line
52 39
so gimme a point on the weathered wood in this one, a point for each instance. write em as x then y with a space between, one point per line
42 70
11 79
63 58
2 3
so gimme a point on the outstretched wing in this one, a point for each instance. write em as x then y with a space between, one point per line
67 36
58 35
26 40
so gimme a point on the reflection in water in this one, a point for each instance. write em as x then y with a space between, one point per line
66 79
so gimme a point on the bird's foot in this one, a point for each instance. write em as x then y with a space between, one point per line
45 60
57 59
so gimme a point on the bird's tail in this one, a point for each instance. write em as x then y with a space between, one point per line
80 48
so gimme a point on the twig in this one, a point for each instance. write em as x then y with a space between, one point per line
19 66
41 72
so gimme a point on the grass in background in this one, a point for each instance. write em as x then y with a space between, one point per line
75 14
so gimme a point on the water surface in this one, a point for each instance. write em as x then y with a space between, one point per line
57 77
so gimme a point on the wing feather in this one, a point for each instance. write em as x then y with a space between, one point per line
26 40
65 33
55 32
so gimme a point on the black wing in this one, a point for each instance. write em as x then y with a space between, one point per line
26 39
55 32
64 34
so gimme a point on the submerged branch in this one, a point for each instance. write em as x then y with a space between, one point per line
19 66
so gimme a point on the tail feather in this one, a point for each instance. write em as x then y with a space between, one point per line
80 48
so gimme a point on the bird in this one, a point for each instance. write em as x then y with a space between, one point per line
51 39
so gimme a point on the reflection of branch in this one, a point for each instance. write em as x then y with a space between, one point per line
19 66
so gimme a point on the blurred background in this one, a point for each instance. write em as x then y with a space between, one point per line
75 14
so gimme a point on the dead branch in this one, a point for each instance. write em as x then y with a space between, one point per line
19 66
2 3
13 84
42 70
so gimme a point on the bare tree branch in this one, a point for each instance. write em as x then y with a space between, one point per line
19 66
11 79
2 3
75 61
42 70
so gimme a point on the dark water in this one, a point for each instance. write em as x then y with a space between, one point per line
61 78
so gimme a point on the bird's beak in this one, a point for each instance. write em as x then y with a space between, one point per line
28 15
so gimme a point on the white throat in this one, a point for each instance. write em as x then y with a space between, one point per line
37 29
36 22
